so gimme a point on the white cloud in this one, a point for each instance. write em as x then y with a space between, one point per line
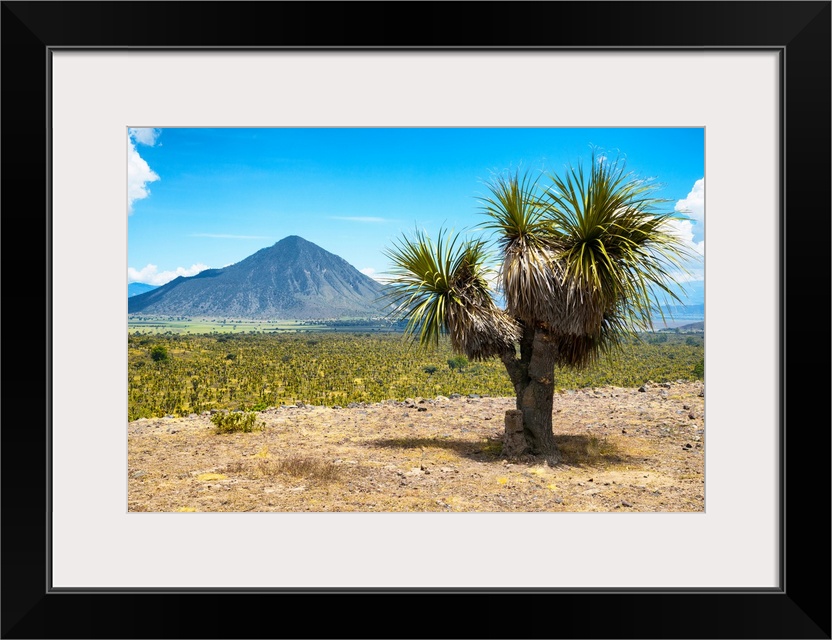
378 277
144 135
692 231
693 206
358 219
383 278
151 275
139 173
684 230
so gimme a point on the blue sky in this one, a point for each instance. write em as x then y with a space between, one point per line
202 197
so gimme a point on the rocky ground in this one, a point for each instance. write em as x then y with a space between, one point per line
623 450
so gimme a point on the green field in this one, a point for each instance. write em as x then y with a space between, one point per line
177 373
159 325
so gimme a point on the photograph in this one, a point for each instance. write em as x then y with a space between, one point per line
416 319
415 316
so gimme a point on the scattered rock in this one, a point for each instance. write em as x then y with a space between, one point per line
464 422
643 388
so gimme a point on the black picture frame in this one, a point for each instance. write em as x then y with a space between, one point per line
800 608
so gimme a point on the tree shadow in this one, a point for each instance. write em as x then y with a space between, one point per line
575 450
482 451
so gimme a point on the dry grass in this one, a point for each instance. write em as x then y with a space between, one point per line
587 450
621 450
305 467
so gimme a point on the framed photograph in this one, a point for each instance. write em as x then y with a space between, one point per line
88 82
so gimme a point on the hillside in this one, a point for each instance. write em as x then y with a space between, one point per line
137 288
293 279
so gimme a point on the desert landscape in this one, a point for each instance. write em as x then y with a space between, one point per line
622 449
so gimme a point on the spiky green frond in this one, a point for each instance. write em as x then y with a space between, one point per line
528 274
616 249
442 288
513 206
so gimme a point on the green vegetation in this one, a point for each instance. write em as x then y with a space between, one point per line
274 369
458 362
235 422
159 353
158 325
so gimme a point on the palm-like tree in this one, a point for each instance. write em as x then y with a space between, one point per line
584 258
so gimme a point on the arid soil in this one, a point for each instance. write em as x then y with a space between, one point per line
622 449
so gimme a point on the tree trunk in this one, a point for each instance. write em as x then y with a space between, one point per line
533 378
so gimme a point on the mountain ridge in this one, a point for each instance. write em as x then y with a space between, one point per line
292 279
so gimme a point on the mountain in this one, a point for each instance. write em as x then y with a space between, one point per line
293 279
135 288
692 307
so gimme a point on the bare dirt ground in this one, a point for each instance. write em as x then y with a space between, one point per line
623 450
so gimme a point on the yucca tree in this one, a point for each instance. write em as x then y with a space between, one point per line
585 259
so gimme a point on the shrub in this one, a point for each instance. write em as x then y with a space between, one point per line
430 369
458 362
237 421
699 369
159 353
